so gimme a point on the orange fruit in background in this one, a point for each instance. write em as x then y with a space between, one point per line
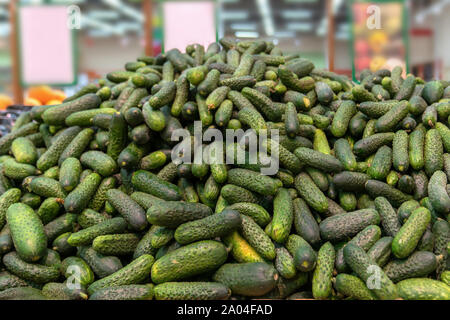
41 93
59 95
5 101
32 102
53 102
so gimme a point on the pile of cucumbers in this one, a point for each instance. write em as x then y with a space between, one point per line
92 207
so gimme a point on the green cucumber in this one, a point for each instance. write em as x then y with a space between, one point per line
407 238
188 261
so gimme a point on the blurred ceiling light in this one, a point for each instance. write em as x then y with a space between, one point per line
104 14
125 9
244 26
322 29
436 9
284 34
228 1
299 26
128 26
96 33
341 35
299 1
246 34
97 24
296 14
336 5
266 14
234 15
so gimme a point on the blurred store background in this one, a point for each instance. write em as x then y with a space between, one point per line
337 34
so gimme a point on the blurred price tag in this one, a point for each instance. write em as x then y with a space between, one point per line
46 42
187 22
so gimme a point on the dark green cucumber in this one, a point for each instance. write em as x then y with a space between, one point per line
98 200
86 236
79 198
339 227
305 224
247 279
381 164
29 271
318 160
381 251
377 188
135 272
313 196
419 264
148 182
51 157
174 213
57 115
342 118
305 257
345 155
353 287
365 267
101 265
128 208
156 238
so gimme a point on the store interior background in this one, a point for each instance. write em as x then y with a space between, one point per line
112 33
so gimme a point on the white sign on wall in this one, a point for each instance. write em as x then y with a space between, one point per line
188 22
46 44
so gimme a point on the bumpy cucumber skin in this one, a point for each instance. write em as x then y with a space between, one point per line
125 292
101 265
51 156
423 289
305 224
98 200
389 219
321 281
29 271
381 250
247 279
190 260
339 227
240 249
305 258
257 238
433 152
282 216
148 182
438 194
407 238
86 236
79 198
192 291
128 208
156 238
174 213
362 264
381 164
342 118
116 244
253 181
135 272
284 263
27 232
77 146
419 264
213 226
313 196
353 287
99 162
8 198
